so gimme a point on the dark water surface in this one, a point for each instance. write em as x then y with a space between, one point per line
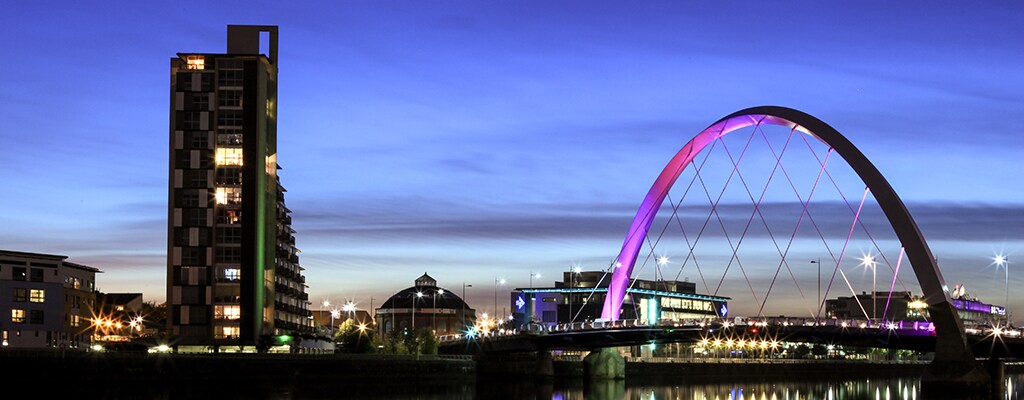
838 389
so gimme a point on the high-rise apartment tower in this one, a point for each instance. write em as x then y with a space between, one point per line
233 274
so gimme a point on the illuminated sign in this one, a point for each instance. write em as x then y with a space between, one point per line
723 311
520 303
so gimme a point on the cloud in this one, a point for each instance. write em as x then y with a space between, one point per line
413 218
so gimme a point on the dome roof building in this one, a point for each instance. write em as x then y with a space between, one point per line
425 306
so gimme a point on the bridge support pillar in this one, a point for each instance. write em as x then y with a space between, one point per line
604 364
954 369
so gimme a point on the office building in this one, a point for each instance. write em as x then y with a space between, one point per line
903 306
580 296
233 273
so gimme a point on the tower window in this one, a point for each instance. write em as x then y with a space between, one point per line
195 62
229 156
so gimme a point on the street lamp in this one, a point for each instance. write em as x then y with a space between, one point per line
817 312
433 316
576 269
334 314
1004 262
533 274
350 309
418 296
373 314
464 286
869 261
662 261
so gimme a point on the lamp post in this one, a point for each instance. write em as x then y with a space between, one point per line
464 286
418 296
869 261
334 314
433 316
817 312
373 315
497 281
1004 262
327 304
349 309
533 274
572 284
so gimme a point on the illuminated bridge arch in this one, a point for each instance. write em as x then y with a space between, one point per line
951 344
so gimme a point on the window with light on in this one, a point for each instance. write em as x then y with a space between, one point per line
229 156
195 62
226 312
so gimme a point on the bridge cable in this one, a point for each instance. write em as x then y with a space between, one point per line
861 224
735 248
853 227
804 212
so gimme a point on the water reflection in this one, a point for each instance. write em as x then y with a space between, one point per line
878 389
861 389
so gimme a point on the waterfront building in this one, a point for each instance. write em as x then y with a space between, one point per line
233 272
425 306
904 306
580 296
45 301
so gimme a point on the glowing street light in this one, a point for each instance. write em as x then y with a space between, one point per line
576 270
869 261
419 295
817 313
433 316
1002 262
334 314
532 275
464 286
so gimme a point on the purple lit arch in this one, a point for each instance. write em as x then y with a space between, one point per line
950 339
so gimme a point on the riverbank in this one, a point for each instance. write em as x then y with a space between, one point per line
373 369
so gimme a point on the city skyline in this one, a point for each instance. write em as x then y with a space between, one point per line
478 142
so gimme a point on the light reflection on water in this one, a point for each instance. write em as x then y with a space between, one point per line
861 389
877 389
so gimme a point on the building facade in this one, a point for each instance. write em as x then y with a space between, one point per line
903 306
233 274
45 301
425 306
580 296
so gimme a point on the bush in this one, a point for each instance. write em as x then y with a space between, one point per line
351 339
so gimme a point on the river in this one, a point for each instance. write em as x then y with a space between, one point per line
857 389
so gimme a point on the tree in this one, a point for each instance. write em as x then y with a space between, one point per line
353 338
428 342
411 342
394 344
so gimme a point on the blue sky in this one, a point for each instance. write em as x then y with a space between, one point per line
475 140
